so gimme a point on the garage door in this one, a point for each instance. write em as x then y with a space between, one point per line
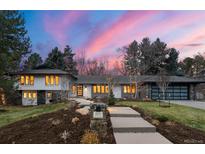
173 92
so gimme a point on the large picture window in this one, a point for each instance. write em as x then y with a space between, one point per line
29 94
52 80
129 89
27 80
100 89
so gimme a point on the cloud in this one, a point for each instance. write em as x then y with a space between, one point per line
194 44
58 26
128 21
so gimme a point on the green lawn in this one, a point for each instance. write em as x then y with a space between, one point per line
188 116
15 113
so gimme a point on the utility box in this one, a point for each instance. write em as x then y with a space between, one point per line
98 118
98 111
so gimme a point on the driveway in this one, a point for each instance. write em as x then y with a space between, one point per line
190 103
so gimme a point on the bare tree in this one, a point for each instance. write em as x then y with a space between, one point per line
163 81
81 62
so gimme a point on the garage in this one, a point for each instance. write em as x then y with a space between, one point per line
173 92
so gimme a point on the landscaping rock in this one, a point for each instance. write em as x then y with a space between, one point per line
75 120
83 111
56 122
169 123
155 122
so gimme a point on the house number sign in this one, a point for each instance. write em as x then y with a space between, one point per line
98 115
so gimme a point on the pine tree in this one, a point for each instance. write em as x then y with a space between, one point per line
69 63
55 59
14 46
33 61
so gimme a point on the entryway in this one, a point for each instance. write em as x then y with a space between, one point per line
80 90
41 97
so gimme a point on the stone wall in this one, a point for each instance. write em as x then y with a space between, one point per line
200 91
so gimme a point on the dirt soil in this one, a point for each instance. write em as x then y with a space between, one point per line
175 132
56 127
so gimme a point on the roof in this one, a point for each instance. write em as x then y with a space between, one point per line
126 79
44 71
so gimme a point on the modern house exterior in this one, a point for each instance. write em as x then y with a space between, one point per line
42 86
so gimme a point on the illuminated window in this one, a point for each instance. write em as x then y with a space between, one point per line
74 89
125 89
47 80
22 80
106 89
31 80
102 89
94 89
133 89
98 88
34 94
49 94
29 95
25 95
27 79
51 80
57 80
129 89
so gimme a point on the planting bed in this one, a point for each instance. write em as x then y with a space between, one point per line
173 131
56 127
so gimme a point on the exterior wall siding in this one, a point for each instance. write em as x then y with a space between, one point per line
87 91
117 91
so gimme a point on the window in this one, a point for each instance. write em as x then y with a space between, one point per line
27 80
22 80
24 95
49 95
100 89
51 80
57 80
34 95
31 80
29 94
94 89
106 89
129 89
74 89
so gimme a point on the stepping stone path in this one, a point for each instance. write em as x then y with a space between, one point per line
130 128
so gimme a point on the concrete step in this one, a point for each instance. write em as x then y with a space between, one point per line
140 138
122 112
131 124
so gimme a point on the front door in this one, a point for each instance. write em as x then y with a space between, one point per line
79 90
41 97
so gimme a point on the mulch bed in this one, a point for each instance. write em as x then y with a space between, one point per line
56 127
175 132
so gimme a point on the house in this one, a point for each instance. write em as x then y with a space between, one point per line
43 86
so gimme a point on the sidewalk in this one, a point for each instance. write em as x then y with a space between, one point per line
130 128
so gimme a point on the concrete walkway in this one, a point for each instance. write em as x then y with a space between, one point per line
190 103
130 128
82 102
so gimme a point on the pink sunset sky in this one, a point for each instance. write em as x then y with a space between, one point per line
101 33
